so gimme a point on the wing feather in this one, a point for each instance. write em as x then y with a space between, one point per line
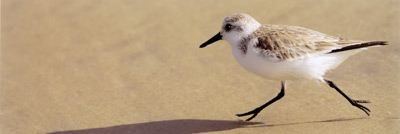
291 42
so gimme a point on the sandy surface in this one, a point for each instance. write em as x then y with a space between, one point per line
119 67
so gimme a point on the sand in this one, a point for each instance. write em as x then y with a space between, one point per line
119 67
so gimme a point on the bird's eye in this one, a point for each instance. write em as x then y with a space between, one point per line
228 27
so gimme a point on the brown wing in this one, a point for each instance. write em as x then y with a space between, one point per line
291 42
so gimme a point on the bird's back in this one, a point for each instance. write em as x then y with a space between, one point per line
282 42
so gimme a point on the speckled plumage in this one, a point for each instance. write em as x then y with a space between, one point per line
292 42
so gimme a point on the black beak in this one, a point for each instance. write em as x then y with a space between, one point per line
215 38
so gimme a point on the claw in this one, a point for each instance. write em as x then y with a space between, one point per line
361 101
244 114
254 112
363 108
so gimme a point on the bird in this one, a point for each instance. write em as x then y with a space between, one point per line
285 53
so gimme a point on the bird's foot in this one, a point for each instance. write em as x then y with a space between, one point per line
363 108
253 112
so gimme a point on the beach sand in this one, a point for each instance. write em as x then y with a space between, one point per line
122 67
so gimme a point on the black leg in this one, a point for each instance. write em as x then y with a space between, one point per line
352 102
259 109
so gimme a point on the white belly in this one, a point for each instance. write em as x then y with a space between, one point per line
310 67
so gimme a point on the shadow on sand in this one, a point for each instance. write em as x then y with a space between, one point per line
184 126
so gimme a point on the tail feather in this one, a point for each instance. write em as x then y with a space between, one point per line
361 45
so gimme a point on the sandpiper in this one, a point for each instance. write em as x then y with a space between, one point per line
281 52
